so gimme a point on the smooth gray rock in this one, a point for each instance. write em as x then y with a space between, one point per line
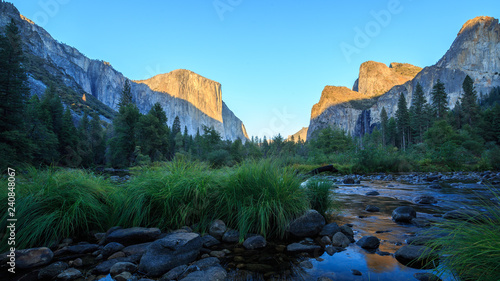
214 273
372 209
52 270
209 241
426 276
302 247
417 257
255 242
340 240
138 249
217 229
124 276
368 242
372 193
120 267
404 214
462 214
69 274
309 224
425 199
111 248
231 236
169 252
174 273
134 235
330 229
33 257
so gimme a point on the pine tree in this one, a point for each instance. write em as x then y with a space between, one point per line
417 120
97 139
383 124
84 147
402 120
126 97
14 94
44 140
439 100
123 142
68 141
469 105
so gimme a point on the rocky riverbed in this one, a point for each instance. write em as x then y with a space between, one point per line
374 235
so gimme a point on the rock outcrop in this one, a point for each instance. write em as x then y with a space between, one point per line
475 52
300 135
195 99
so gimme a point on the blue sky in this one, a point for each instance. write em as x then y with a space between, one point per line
273 58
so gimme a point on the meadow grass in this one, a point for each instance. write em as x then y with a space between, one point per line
470 248
319 195
52 205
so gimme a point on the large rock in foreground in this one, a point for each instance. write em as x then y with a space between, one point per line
134 235
169 252
33 257
309 224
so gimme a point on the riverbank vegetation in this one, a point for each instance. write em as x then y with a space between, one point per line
470 246
253 197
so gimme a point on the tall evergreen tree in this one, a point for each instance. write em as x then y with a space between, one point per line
439 100
14 93
383 124
402 120
97 139
153 134
469 104
417 121
126 97
123 142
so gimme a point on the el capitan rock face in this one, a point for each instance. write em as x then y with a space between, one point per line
475 52
195 99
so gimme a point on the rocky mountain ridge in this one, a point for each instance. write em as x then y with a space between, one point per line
195 99
475 52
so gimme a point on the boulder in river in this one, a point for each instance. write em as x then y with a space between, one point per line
51 271
404 214
372 209
417 257
255 242
231 236
330 229
425 199
372 193
340 240
309 224
171 251
368 242
303 246
462 214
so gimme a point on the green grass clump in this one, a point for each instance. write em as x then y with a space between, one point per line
319 195
177 194
263 197
52 205
471 248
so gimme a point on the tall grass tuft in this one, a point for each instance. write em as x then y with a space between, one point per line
471 248
51 205
263 197
177 194
319 195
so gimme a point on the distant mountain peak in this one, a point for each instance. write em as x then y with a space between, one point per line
484 21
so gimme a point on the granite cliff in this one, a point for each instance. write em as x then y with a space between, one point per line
474 52
195 99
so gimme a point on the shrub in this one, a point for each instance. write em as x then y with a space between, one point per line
52 205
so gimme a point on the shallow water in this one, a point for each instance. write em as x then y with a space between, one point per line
373 266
